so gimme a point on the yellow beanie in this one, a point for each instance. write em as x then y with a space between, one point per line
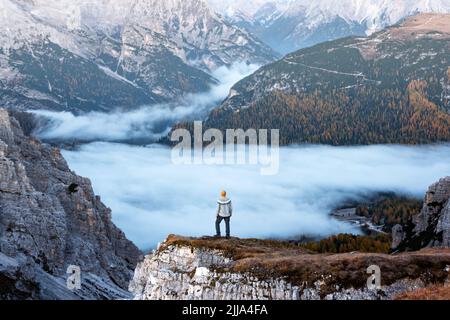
223 194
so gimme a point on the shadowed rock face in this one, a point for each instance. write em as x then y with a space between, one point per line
430 228
45 226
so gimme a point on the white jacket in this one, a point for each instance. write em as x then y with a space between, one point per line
225 208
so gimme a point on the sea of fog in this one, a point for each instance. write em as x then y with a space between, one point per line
152 198
148 123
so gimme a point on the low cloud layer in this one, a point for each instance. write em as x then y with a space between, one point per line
147 122
152 198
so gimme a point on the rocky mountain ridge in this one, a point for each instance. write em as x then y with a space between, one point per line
98 56
51 219
289 25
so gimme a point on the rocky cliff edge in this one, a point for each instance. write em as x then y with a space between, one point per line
207 268
51 219
238 269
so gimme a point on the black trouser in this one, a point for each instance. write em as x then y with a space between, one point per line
227 225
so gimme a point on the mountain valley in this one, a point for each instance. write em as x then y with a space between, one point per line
391 87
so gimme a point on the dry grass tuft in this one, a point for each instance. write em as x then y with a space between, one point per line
431 293
239 249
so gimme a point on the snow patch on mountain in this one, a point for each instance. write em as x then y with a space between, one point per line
162 50
288 25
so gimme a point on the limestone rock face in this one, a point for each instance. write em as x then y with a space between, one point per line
50 218
398 235
431 228
183 273
444 225
190 271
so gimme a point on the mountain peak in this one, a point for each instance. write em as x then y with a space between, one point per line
291 25
141 52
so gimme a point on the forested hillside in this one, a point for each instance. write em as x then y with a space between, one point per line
393 87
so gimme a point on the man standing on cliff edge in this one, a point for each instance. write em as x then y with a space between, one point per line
224 212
